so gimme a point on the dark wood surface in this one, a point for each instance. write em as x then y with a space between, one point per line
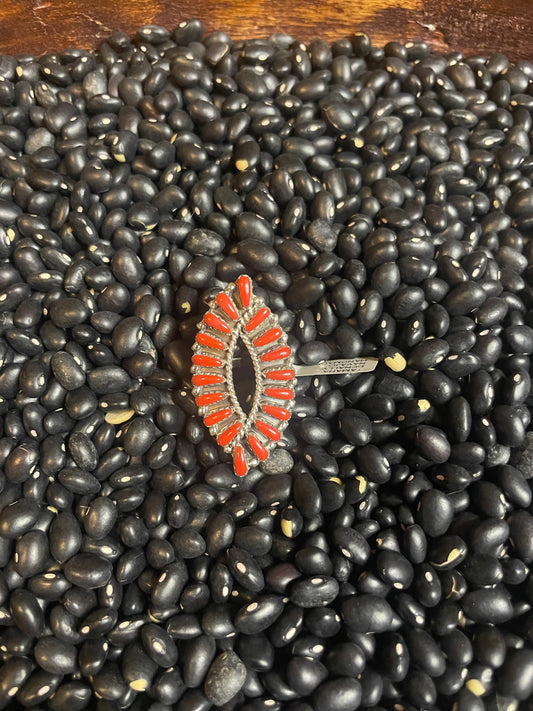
471 26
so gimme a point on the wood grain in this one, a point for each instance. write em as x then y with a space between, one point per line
471 26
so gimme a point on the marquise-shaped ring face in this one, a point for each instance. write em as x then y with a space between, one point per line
237 313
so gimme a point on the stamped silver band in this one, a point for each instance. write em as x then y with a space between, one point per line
337 367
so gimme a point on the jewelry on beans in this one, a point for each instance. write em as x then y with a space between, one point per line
237 313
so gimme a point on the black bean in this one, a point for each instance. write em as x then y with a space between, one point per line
273 490
67 371
26 613
395 569
406 301
225 678
515 678
18 517
55 656
355 426
87 570
520 529
489 646
138 669
159 645
31 553
304 674
425 652
79 481
100 517
313 592
38 687
482 569
13 674
520 338
139 436
367 613
508 425
489 534
21 462
197 656
420 688
447 552
434 512
341 694
65 536
305 292
245 569
372 464
73 695
68 312
428 354
108 379
169 585
351 544
49 586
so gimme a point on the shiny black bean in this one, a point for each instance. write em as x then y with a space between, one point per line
138 669
351 544
198 653
21 462
515 678
305 292
489 646
355 426
395 569
68 312
56 656
13 675
79 481
434 512
87 570
65 536
304 674
508 425
489 534
100 517
313 592
38 687
372 464
245 569
17 518
425 652
159 645
72 695
31 553
26 613
169 585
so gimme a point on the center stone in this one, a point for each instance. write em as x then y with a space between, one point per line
243 377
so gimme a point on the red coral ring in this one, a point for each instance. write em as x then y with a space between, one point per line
238 313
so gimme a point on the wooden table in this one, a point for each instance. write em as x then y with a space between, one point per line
472 26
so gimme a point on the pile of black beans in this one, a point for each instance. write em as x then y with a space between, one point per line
382 202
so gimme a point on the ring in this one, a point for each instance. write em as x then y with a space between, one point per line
237 313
